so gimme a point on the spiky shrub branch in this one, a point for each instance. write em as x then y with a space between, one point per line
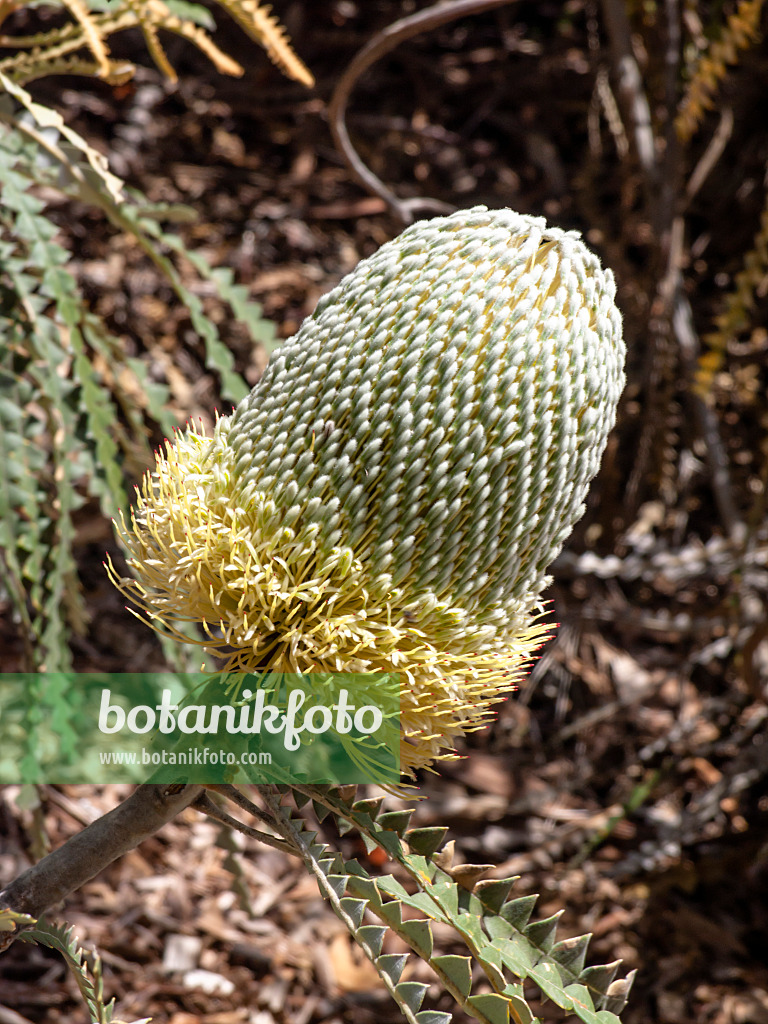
740 31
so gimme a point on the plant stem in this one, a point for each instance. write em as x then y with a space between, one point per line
90 851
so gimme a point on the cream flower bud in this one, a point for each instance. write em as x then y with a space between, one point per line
390 494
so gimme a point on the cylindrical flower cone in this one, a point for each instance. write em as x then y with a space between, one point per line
389 496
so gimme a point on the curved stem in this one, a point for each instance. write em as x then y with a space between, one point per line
375 49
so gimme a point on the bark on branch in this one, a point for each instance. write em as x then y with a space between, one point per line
93 849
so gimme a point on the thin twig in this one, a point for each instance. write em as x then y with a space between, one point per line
670 164
711 154
680 317
607 101
233 794
375 49
207 806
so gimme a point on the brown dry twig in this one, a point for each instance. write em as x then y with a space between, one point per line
205 805
375 49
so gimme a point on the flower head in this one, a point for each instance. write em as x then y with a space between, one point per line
390 494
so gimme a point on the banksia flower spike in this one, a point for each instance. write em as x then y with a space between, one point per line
390 494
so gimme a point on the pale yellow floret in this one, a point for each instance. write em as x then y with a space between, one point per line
268 602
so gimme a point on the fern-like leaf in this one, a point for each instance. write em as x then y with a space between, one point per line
91 34
56 599
736 314
60 359
329 872
497 930
90 982
59 50
256 19
740 31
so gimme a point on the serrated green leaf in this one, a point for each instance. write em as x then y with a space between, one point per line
418 934
458 971
606 1017
425 840
491 964
492 938
493 1007
520 1008
362 886
618 993
411 993
157 396
395 821
547 977
580 996
492 892
338 883
389 885
471 927
371 807
330 862
420 866
392 964
433 1017
369 843
101 417
91 989
469 903
389 842
497 927
300 799
423 902
373 936
11 415
517 954
47 118
600 977
570 954
246 310
517 912
320 810
354 908
446 892
392 913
